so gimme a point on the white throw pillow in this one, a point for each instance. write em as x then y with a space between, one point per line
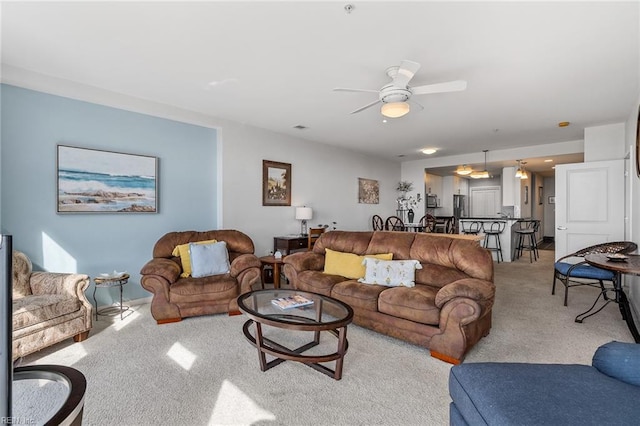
209 259
390 273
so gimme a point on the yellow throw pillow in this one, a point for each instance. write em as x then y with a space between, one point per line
183 252
348 265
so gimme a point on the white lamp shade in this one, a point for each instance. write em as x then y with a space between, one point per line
395 109
304 213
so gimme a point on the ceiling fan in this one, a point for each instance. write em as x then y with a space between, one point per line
396 96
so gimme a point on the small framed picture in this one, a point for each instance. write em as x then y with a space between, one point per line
368 191
276 183
552 200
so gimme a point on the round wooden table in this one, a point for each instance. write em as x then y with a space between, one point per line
629 266
275 264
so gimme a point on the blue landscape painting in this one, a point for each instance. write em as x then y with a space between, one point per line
102 181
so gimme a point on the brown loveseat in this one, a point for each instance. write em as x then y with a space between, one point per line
447 311
48 307
175 297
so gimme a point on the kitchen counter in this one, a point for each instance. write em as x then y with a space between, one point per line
507 241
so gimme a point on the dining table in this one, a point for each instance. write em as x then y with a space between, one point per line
619 264
414 227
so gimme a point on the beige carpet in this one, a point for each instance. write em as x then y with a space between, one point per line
202 371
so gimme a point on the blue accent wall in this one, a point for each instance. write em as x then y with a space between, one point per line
34 123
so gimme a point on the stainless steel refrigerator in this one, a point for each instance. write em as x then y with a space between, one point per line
460 206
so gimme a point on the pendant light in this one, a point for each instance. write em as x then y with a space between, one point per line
519 171
524 172
483 174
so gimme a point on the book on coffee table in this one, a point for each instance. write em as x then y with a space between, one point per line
295 301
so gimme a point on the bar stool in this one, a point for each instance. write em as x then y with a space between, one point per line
495 229
527 239
471 228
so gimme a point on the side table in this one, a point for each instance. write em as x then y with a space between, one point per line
107 282
275 264
289 243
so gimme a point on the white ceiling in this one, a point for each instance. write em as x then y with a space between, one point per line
528 65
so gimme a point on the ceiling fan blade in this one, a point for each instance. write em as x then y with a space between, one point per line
366 106
405 73
414 103
450 86
344 89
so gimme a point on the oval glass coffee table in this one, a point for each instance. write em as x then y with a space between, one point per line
323 314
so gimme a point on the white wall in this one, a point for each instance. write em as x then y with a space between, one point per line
604 142
324 178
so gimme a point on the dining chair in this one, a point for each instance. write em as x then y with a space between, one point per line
427 223
394 223
314 234
570 266
377 223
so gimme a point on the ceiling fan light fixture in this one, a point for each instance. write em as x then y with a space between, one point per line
464 171
395 109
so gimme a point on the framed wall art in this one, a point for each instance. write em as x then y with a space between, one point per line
97 181
540 196
368 191
276 183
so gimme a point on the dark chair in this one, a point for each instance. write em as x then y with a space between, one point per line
527 239
471 228
494 230
427 223
565 271
314 234
377 223
450 225
394 223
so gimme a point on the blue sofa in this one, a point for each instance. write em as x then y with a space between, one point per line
605 393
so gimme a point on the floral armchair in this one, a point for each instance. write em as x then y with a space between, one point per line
48 307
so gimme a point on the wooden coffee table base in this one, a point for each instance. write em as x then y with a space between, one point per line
282 353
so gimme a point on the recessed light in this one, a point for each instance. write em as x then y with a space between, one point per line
384 121
548 161
563 124
429 151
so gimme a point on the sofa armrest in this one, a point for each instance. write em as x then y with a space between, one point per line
481 291
166 268
244 262
619 360
73 285
305 261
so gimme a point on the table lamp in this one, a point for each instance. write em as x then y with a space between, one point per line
303 214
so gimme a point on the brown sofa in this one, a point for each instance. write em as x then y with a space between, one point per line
175 297
447 311
48 307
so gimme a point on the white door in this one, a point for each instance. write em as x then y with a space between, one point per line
485 201
589 204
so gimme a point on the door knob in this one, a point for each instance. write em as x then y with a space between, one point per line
562 228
